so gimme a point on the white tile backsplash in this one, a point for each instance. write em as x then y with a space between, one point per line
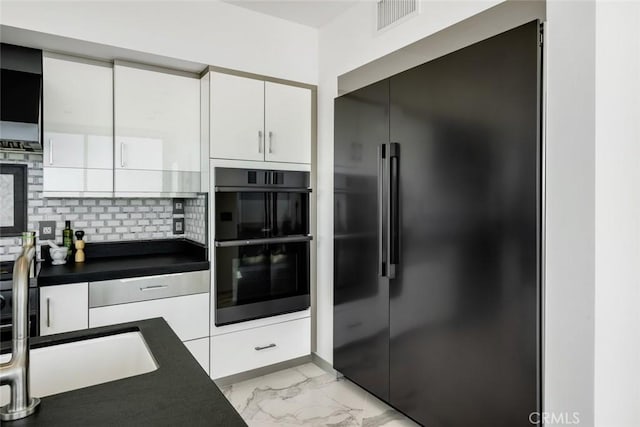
195 219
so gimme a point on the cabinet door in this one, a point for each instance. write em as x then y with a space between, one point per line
64 308
188 315
77 125
237 117
468 131
287 123
360 340
157 127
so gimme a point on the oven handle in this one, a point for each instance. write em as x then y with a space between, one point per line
262 189
32 316
289 239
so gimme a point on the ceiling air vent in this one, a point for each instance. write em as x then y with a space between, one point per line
391 11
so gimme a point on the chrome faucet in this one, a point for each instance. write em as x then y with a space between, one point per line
15 372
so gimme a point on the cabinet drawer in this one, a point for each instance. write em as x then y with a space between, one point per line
120 291
188 315
253 348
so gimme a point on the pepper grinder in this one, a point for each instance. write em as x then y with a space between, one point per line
79 246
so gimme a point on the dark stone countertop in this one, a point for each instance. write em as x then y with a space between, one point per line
178 393
119 260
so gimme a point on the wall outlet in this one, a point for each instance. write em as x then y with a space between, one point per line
47 230
178 206
178 225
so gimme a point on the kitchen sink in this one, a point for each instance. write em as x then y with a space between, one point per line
78 364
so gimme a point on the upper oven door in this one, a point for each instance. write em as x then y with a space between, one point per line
253 204
241 215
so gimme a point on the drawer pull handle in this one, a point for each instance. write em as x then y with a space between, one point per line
48 312
137 279
264 347
154 288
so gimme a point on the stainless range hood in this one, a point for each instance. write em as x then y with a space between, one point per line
20 98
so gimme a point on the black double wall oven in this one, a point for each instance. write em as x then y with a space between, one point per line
261 243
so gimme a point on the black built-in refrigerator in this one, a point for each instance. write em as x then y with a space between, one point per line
437 249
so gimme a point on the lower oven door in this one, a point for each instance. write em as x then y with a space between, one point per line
261 278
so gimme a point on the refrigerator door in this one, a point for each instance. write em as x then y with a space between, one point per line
464 307
361 297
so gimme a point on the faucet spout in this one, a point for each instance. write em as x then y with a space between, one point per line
15 372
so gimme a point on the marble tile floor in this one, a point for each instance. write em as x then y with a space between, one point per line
306 395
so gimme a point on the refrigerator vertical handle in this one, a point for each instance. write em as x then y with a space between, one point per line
381 209
393 208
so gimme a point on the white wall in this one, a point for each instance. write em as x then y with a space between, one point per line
617 292
208 32
347 42
570 208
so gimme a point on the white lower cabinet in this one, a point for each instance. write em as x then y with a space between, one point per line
187 315
249 349
64 308
200 351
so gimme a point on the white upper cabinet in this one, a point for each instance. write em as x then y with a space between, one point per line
78 125
237 117
257 120
287 122
157 131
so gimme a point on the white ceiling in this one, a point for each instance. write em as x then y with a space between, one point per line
313 13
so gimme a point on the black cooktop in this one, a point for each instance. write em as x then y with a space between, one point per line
6 270
6 276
